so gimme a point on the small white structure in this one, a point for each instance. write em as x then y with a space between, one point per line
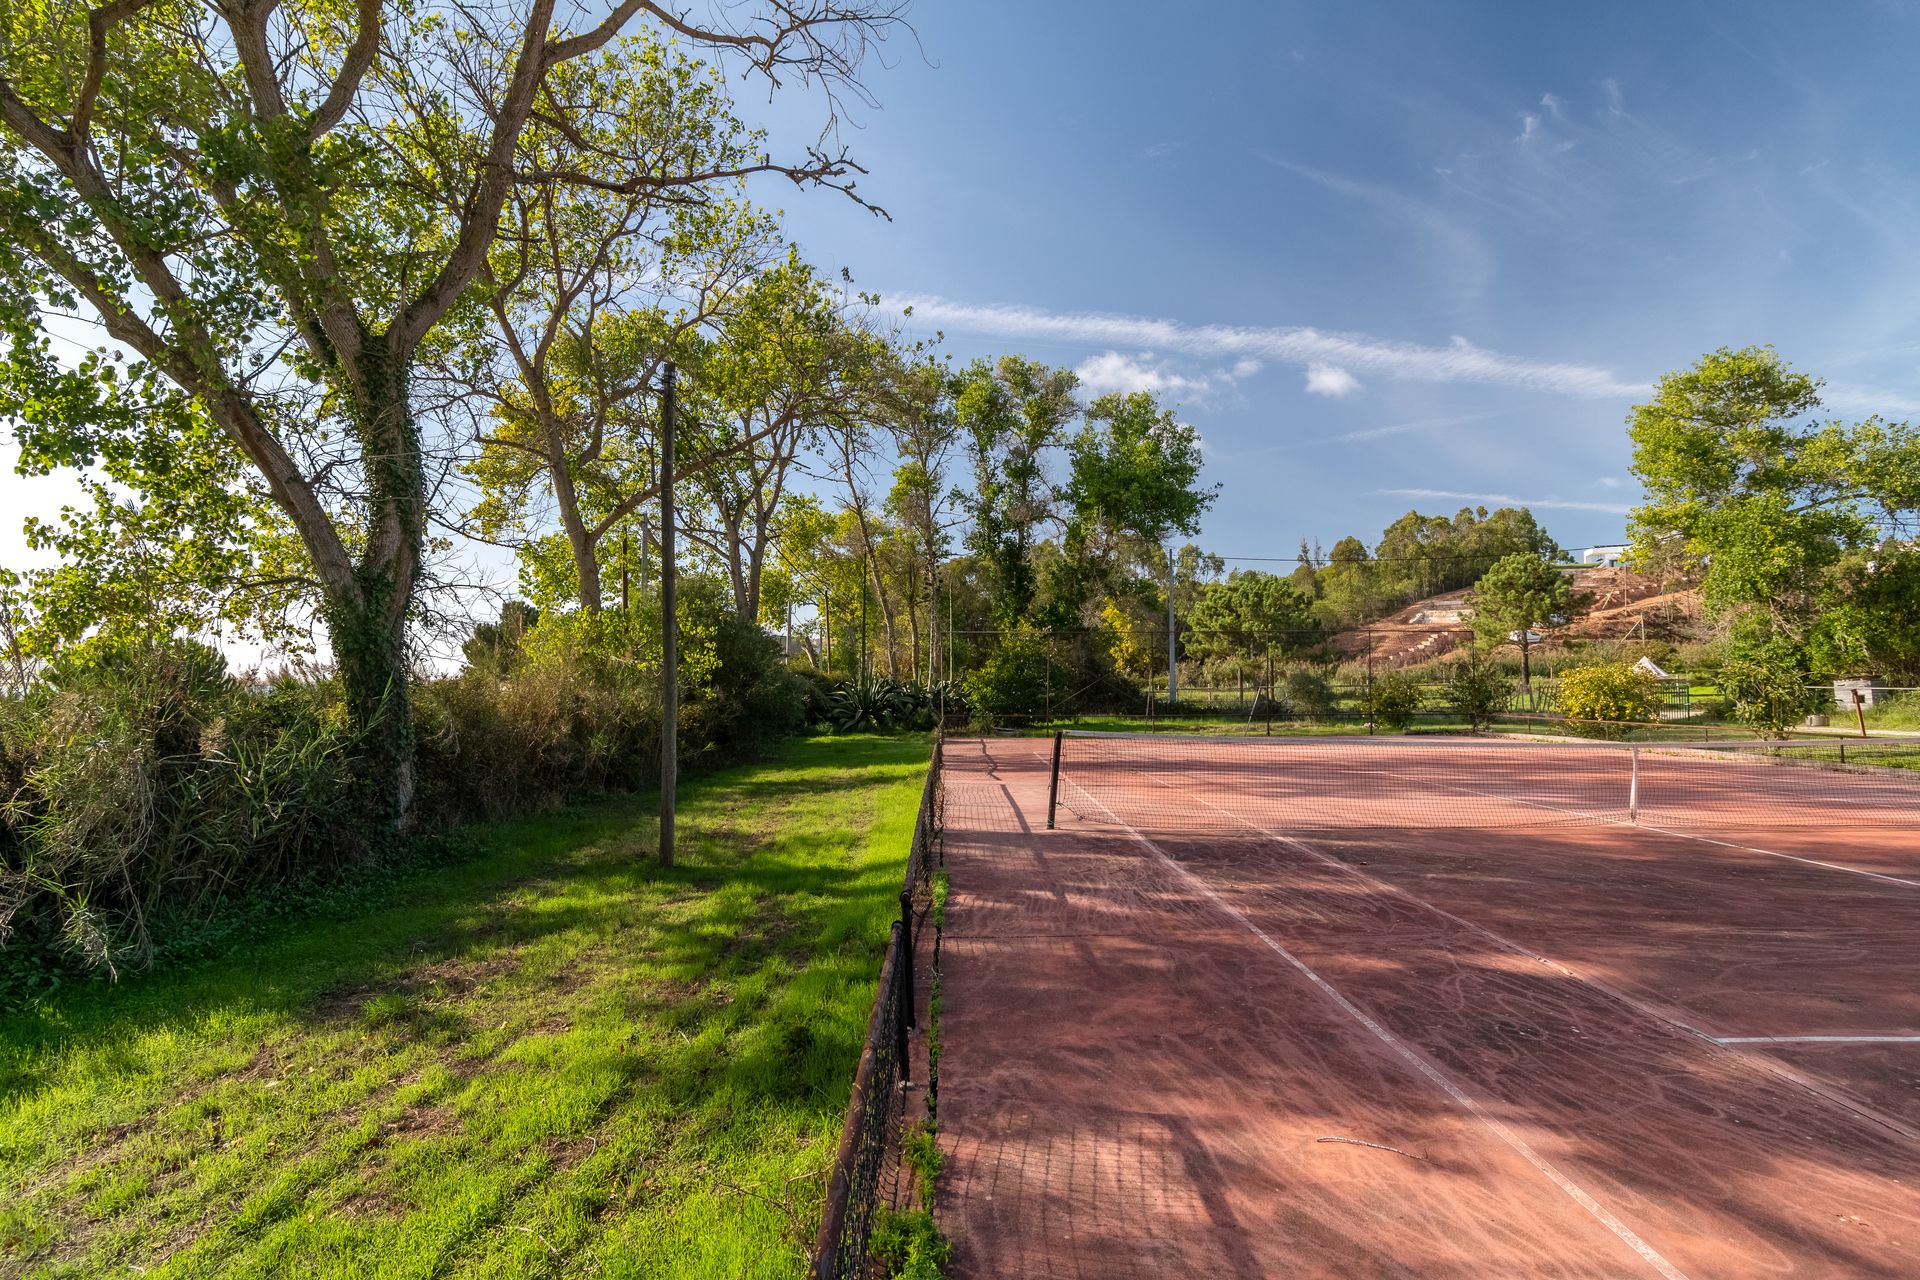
1609 556
1648 666
1870 689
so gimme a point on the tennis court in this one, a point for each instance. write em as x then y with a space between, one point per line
1433 1008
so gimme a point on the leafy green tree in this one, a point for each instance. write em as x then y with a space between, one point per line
1520 592
1010 414
273 208
1782 517
1246 617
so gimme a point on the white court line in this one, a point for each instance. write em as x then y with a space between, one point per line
1658 1012
1412 1058
1648 826
1815 1039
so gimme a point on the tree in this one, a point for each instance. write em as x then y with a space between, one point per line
1783 518
1247 617
274 207
1520 592
1010 413
1476 690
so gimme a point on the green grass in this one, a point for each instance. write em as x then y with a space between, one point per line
552 1059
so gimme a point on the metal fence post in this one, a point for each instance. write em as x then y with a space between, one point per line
1053 781
901 956
906 940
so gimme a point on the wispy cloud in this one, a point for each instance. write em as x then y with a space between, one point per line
1847 397
1300 346
1508 500
1116 371
1158 150
1331 380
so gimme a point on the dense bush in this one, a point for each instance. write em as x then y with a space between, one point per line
145 786
1394 699
1476 689
1604 698
1310 694
1770 687
1019 682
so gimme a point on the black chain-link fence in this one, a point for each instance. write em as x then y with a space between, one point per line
866 1170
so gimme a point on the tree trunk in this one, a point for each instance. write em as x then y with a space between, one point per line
580 539
367 621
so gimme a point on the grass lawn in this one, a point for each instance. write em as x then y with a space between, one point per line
552 1059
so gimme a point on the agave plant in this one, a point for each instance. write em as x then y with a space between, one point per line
876 703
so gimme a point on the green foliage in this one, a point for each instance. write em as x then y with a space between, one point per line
537 999
878 704
1519 593
149 783
146 787
1020 681
1768 681
1786 520
1417 556
1310 694
1607 697
495 647
909 1244
1476 689
1394 699
1246 618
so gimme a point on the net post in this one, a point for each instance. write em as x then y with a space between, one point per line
906 959
1053 781
1633 787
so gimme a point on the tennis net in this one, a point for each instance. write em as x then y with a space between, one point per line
1186 782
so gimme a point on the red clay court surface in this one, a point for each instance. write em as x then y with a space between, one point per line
1380 1017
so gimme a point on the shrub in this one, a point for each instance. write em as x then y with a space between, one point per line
1476 689
1768 683
1017 681
149 783
1605 696
141 787
1310 694
1393 699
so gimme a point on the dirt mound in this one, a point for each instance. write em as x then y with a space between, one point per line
1625 606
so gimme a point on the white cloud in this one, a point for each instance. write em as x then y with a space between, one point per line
1508 500
1246 367
1331 380
1610 482
1301 346
1115 371
1159 150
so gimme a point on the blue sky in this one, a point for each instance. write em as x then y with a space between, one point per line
1400 255
1384 256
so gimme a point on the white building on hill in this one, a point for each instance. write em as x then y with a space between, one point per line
1607 557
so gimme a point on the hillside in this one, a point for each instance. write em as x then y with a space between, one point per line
1626 606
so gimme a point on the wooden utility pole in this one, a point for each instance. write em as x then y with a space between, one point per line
669 628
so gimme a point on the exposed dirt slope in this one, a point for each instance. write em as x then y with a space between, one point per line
1626 605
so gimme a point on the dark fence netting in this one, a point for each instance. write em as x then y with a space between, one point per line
867 1170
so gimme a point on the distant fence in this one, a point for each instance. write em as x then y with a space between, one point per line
877 1114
